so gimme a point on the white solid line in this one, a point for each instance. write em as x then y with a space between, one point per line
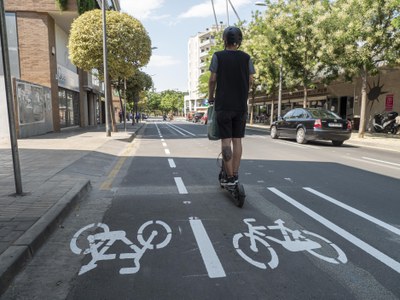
179 130
167 151
180 185
207 251
381 161
390 262
171 163
355 211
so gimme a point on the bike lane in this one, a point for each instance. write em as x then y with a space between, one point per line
209 240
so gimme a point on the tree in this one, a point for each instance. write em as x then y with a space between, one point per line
365 39
297 39
153 101
396 20
257 43
171 101
139 83
128 44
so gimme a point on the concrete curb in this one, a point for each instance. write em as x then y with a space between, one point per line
24 248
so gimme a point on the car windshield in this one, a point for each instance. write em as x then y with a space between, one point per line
323 114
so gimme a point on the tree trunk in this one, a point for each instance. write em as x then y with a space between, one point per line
305 96
272 112
111 108
252 110
361 130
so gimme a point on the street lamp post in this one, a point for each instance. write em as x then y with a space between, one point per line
106 79
10 104
280 90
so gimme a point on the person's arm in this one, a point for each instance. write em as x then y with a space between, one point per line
252 71
212 82
251 80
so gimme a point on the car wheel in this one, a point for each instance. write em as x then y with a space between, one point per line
301 136
274 132
337 143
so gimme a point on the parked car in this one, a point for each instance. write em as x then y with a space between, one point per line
308 124
197 116
204 119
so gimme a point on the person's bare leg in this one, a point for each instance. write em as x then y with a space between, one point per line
236 155
227 156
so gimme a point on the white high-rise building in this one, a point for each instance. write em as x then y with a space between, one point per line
198 48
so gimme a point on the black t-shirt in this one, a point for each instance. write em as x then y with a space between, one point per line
233 73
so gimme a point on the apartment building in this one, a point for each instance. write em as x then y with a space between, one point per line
50 92
198 49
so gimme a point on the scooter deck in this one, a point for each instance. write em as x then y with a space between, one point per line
237 192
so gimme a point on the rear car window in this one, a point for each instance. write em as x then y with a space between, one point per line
323 114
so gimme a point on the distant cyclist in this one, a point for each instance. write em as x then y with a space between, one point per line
231 77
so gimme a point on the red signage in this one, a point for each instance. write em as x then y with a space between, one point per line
389 102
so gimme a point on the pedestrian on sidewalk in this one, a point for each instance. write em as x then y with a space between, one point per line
231 77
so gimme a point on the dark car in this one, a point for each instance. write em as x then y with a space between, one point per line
309 124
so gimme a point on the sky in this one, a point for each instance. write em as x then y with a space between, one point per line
170 24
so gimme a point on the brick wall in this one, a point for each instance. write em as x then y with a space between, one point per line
34 52
37 5
36 37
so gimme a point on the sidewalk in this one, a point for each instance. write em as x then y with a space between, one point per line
372 140
57 169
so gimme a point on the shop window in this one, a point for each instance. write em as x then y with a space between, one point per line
68 108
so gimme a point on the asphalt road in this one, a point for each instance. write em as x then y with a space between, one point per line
319 222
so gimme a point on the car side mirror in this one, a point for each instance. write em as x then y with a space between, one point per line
280 118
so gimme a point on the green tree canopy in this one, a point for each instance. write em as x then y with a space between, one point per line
365 39
129 46
171 101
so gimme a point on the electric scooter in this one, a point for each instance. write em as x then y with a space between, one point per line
236 191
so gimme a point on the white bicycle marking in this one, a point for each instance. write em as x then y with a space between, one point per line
99 244
293 241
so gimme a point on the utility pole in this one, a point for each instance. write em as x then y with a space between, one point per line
106 79
10 103
280 90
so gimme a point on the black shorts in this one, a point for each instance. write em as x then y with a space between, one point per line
231 124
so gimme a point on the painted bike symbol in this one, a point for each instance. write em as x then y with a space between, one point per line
99 244
293 240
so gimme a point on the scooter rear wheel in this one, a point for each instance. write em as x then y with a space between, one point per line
240 195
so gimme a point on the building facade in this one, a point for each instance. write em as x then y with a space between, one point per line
198 49
344 98
50 92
